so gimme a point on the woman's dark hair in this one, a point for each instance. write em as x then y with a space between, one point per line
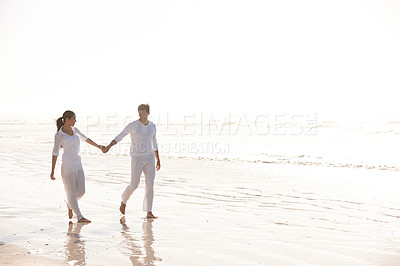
61 120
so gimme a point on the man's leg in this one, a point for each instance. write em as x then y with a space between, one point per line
149 173
136 171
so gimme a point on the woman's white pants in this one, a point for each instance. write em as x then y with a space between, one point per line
74 184
139 164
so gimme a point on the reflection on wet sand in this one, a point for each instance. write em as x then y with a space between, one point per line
74 246
141 251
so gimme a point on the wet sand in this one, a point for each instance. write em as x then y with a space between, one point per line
210 213
15 255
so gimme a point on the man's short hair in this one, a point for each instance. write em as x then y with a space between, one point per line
144 107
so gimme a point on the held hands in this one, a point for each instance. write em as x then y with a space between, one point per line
105 149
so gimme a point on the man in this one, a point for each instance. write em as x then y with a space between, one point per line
144 152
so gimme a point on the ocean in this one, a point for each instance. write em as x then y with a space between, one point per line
278 138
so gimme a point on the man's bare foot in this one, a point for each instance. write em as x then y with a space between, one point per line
122 208
150 215
84 220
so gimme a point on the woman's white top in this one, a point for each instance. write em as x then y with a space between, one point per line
143 137
70 144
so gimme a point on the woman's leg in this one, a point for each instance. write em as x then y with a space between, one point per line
80 183
69 176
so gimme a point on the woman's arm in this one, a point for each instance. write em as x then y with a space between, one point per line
56 151
88 140
53 165
91 142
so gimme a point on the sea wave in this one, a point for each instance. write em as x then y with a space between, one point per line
302 160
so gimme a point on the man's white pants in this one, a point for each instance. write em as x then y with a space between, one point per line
139 164
74 185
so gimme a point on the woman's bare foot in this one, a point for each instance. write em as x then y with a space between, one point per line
84 220
70 213
150 215
122 208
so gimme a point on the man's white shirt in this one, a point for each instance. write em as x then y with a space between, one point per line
143 137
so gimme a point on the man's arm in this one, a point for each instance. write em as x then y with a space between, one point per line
155 149
118 138
158 164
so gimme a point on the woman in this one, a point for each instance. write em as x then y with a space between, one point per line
67 137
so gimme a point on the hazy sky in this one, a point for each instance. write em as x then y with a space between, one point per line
319 56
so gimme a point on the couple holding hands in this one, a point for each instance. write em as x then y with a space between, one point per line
144 158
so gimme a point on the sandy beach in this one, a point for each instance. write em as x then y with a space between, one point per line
211 212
